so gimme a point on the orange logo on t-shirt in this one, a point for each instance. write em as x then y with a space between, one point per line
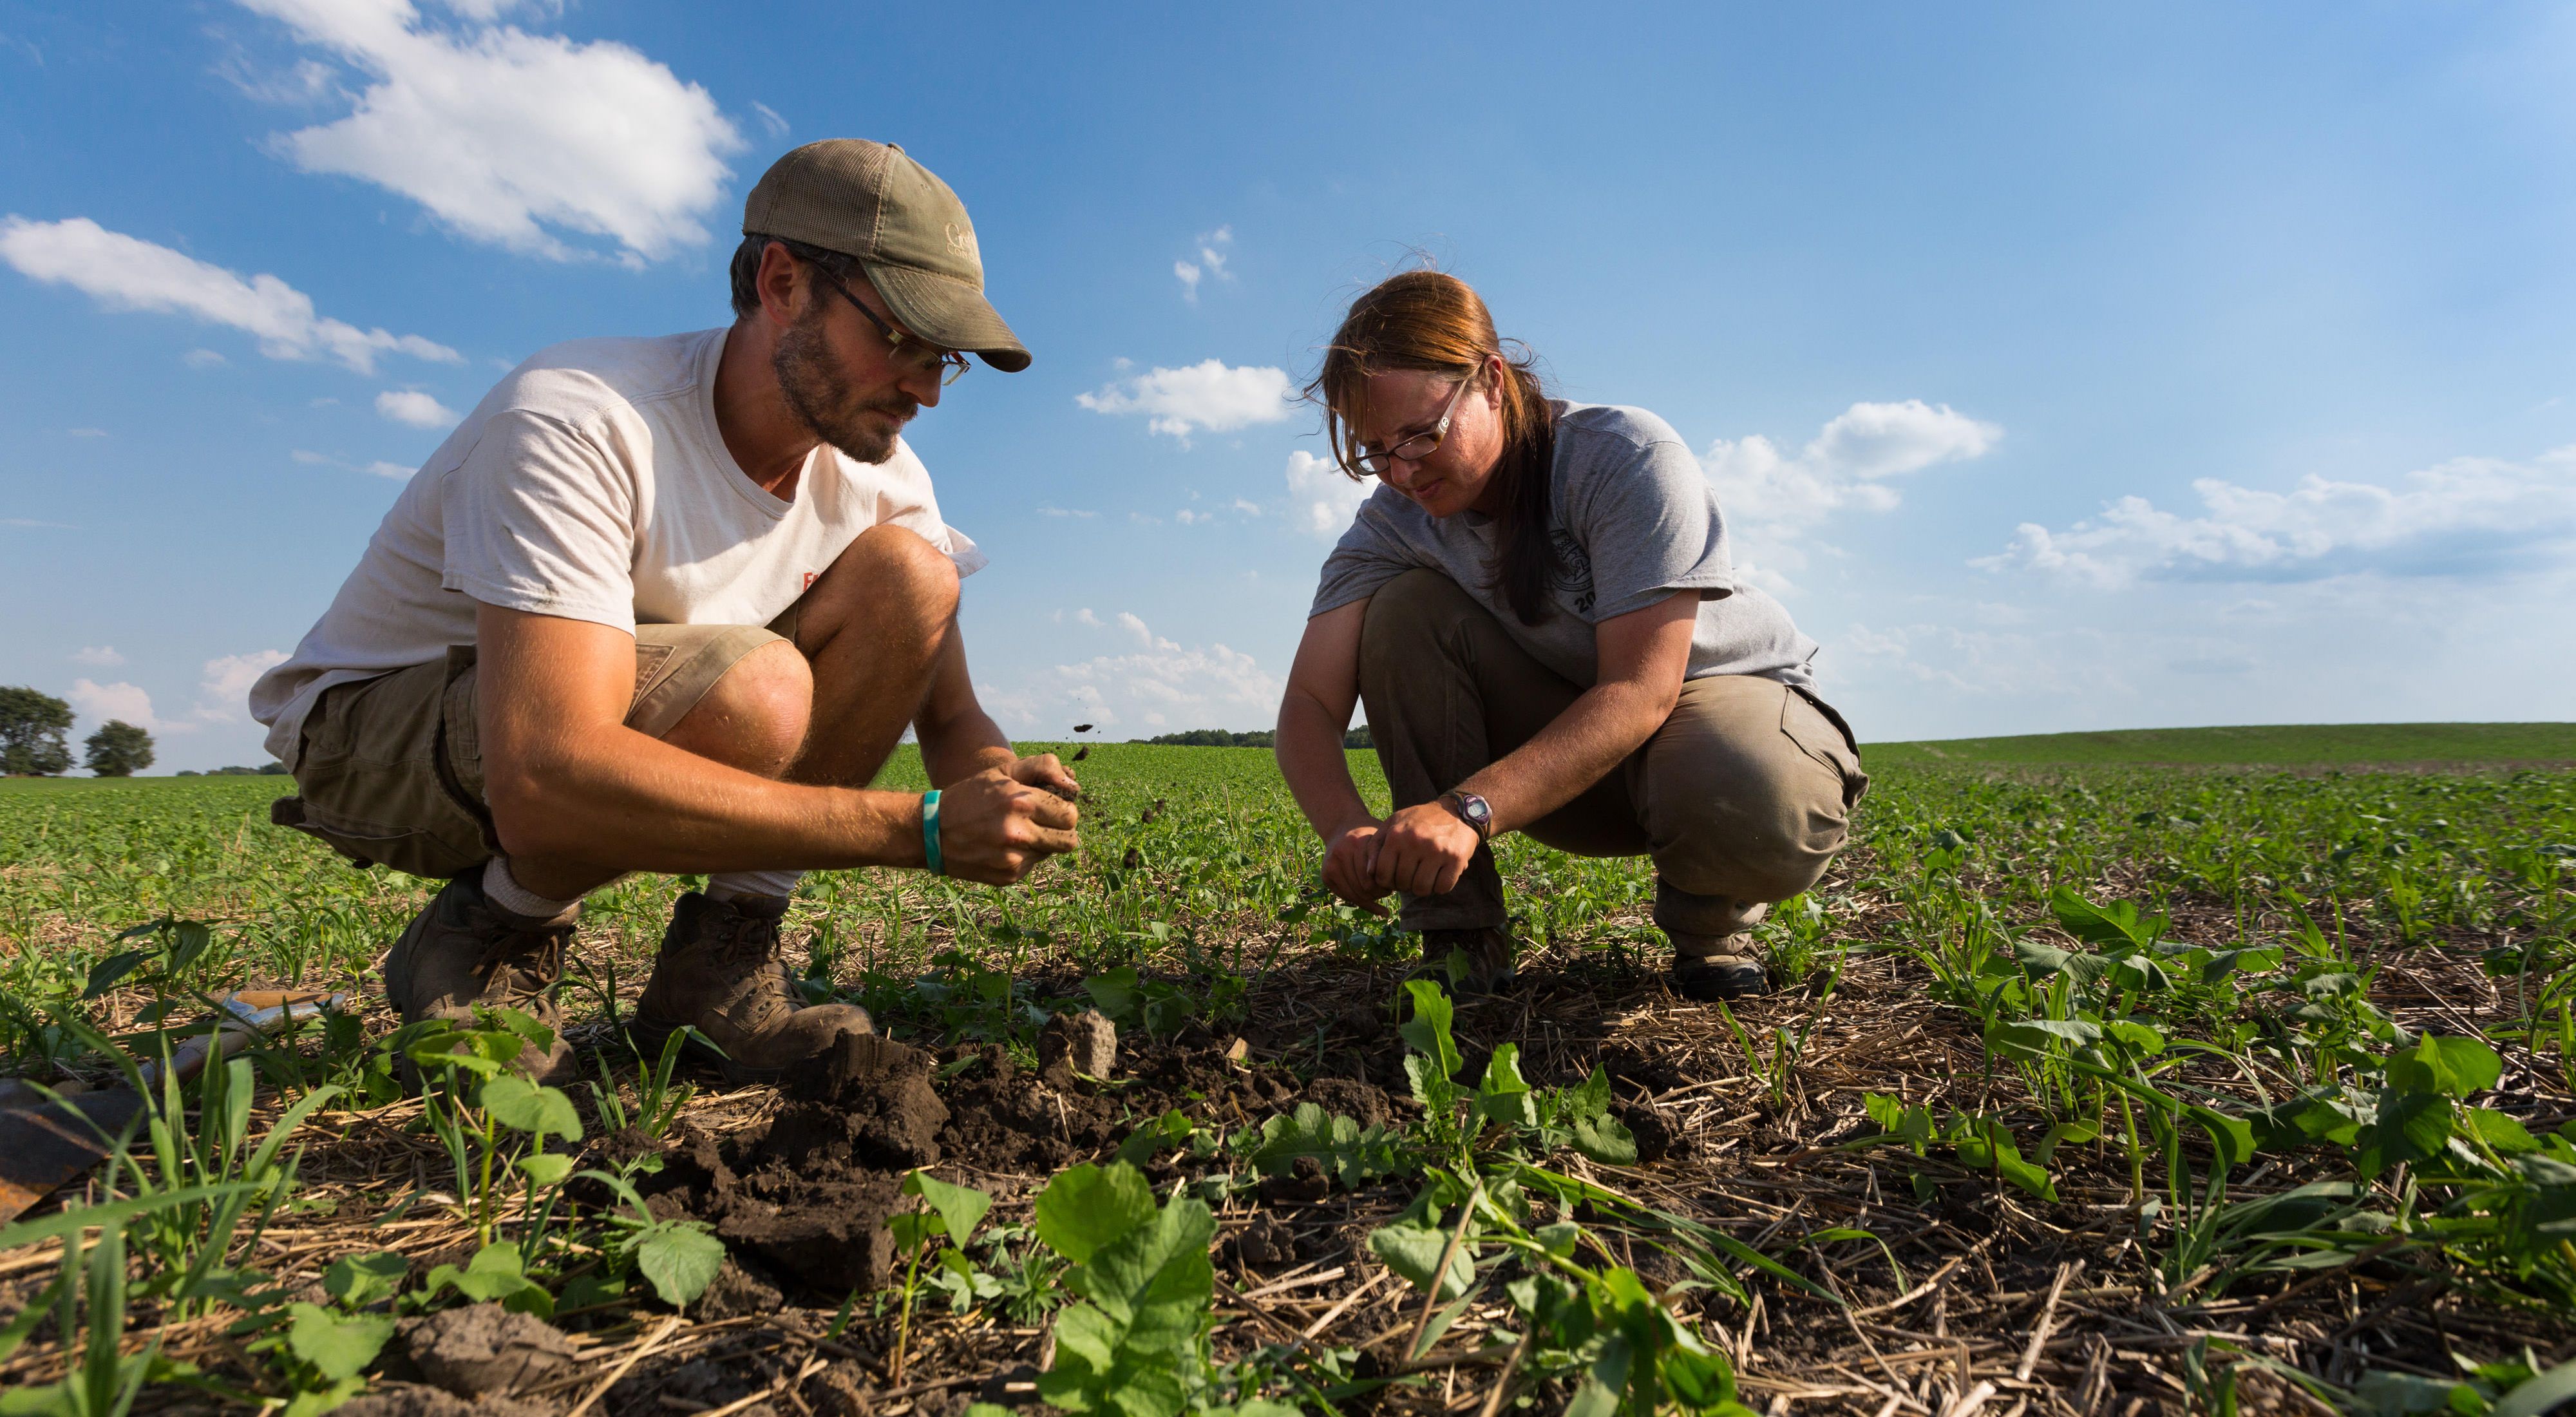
809 580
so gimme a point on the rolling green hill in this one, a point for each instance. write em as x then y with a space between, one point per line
2287 745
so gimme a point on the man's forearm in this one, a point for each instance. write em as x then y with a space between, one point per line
626 801
1595 734
963 746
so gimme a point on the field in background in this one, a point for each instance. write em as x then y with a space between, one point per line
2289 745
2098 1090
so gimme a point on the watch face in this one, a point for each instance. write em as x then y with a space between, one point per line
1477 811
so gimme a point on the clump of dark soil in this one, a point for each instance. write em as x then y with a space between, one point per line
808 1193
802 1200
484 1348
412 1400
1007 1118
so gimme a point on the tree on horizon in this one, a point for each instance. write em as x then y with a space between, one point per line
118 749
32 725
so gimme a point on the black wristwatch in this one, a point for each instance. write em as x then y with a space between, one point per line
1475 811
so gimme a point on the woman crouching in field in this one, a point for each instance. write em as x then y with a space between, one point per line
1537 607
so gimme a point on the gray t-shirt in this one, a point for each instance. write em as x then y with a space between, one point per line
1633 519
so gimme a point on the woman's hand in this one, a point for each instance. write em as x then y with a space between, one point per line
1350 866
1424 850
1046 774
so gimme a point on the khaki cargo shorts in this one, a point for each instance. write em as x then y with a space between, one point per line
391 768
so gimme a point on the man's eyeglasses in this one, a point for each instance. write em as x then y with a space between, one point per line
1414 449
928 358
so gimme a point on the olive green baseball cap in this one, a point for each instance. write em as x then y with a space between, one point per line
907 230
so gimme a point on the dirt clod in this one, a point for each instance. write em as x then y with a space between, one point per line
808 1195
1266 1244
1086 1043
737 1293
484 1348
413 1400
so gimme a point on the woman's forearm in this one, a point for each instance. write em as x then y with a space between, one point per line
1311 758
1584 744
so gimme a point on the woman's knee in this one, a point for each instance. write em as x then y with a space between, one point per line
755 716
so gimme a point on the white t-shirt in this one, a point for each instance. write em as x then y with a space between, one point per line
592 484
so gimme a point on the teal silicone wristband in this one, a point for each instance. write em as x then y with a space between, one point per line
930 830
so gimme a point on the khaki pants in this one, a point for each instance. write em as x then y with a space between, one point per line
391 768
1741 798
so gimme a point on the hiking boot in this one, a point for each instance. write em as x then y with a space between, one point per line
460 952
719 972
1709 969
1489 954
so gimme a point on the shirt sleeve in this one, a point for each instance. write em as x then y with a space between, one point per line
1369 555
539 518
1650 524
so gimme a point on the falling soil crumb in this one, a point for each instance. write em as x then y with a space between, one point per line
484 1348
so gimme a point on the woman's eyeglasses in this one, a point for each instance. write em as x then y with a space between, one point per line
949 364
1414 449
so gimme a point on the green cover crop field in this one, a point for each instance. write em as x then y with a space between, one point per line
2097 1086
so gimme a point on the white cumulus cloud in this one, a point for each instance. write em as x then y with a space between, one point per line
1850 463
127 273
2465 517
1322 498
515 139
1209 395
415 408
224 691
98 656
120 701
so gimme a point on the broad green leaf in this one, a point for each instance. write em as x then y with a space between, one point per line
910 1229
1592 1099
2501 1132
2453 1067
546 1168
963 1207
1605 1139
1427 1032
337 1345
2538 1395
1413 1250
2041 960
1088 1207
524 1106
2136 1037
1504 1095
359 1280
2107 925
680 1258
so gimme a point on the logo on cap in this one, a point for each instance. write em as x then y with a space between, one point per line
961 239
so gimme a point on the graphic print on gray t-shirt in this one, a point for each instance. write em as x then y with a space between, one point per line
1633 520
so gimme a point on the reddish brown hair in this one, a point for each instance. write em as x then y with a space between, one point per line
1432 320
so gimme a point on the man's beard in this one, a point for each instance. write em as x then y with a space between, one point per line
817 386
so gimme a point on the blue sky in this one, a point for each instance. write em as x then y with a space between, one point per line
2065 367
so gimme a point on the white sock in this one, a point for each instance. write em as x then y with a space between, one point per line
504 890
734 885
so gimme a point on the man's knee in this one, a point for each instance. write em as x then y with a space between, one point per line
890 565
755 716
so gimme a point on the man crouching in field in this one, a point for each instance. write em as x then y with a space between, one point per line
668 605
